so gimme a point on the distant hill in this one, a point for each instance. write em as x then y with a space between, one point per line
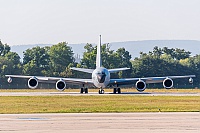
134 47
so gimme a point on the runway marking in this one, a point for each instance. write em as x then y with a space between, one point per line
32 118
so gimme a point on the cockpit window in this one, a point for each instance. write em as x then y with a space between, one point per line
100 72
101 76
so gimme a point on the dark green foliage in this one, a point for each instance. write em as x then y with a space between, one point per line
48 61
61 56
164 62
36 61
9 61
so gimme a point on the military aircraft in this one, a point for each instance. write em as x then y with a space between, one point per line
100 78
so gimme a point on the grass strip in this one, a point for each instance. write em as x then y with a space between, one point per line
95 104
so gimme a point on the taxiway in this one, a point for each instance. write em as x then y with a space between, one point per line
101 122
95 93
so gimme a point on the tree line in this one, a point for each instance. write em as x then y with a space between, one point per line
56 60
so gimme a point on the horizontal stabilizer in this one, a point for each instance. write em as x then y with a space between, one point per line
118 69
82 69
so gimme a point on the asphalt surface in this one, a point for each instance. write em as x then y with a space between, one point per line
95 93
101 122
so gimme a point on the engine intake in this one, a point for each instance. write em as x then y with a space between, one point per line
60 85
33 83
140 85
190 80
168 83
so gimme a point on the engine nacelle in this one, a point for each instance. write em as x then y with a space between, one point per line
190 80
140 85
60 85
33 83
168 83
9 80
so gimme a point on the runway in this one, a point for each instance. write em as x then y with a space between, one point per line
101 122
95 93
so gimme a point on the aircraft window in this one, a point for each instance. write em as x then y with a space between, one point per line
100 72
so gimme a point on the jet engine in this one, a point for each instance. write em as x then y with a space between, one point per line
140 85
33 83
168 83
9 80
190 80
60 85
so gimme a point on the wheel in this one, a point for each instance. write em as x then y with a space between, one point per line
119 90
101 91
82 90
115 90
86 90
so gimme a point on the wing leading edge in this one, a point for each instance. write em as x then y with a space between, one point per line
147 80
54 79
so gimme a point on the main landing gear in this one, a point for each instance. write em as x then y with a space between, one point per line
115 90
84 89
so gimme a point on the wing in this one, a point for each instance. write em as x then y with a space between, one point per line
54 79
147 80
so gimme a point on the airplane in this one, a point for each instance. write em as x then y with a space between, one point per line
100 78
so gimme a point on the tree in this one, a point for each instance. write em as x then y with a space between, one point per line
89 56
124 61
4 48
177 53
31 68
10 64
61 56
9 61
157 51
36 58
181 54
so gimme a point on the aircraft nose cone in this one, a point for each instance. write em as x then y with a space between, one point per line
101 77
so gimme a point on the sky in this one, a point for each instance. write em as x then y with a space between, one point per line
82 21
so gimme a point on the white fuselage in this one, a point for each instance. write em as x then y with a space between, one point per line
101 77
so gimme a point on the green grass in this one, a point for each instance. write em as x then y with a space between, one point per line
95 104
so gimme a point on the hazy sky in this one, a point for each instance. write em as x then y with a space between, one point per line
82 21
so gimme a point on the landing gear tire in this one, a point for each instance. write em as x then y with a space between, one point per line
82 90
115 90
101 91
119 90
86 90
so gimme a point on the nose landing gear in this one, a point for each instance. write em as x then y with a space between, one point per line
101 91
